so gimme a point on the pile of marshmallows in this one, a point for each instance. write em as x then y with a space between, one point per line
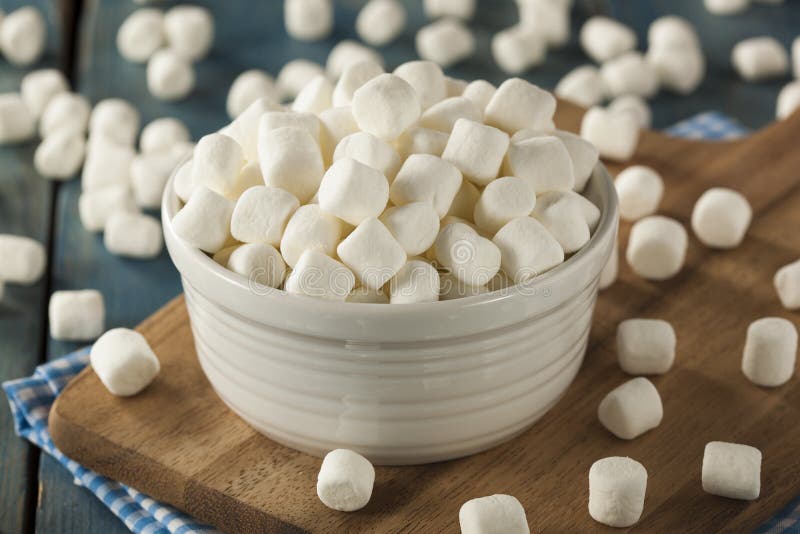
359 201
169 42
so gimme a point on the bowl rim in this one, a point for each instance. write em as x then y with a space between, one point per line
581 259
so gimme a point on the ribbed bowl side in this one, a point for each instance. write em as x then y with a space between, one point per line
396 403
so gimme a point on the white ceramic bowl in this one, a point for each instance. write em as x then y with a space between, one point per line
401 384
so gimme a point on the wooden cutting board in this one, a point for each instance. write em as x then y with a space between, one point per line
178 443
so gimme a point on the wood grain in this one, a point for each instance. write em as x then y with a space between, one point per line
177 441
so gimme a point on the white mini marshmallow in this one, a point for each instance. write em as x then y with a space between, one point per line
603 38
248 87
460 9
518 49
162 134
494 514
611 268
150 173
679 69
335 125
386 106
631 409
318 275
23 36
760 58
353 77
788 100
372 252
518 104
726 7
98 206
630 74
446 42
244 129
528 249
290 159
310 228
295 75
672 31
463 205
443 115
473 259
635 105
544 161
365 295
369 150
770 351
22 259
38 87
17 124
549 18
346 53
260 263
124 362
381 21
345 480
109 164
353 191
76 315
732 470
133 235
417 281
217 161
617 487
115 119
787 285
657 247
261 214
562 213
141 35
477 150
60 154
414 225
272 120
183 184
205 220
480 92
418 140
582 85
308 20
455 86
639 191
645 346
315 97
169 76
721 217
502 200
584 156
427 79
189 31
65 109
615 134
426 178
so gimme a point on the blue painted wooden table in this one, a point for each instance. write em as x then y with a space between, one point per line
35 492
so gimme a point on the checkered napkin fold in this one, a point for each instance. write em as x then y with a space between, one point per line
31 398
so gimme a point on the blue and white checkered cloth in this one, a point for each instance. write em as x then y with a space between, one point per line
32 397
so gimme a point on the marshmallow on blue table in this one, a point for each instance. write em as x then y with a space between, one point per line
17 124
22 259
189 31
617 487
116 119
495 514
342 468
386 106
787 285
318 275
732 470
630 74
603 38
353 77
631 409
381 21
427 79
635 105
308 20
290 159
96 207
76 315
426 178
760 58
461 9
582 85
416 281
124 362
446 42
38 87
672 32
770 351
248 87
679 69
657 247
726 7
60 154
170 76
23 36
163 133
65 109
528 249
107 163
133 235
549 18
141 35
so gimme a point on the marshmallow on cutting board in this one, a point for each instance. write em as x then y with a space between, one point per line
494 514
343 468
631 409
721 217
617 487
645 346
787 285
770 351
124 362
657 247
732 470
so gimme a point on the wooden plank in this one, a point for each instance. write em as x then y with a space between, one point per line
222 471
25 209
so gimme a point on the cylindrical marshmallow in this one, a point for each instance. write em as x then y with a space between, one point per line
60 154
770 351
527 249
426 178
443 115
493 514
518 49
726 7
295 75
310 228
721 217
414 225
17 124
617 487
634 105
760 58
162 134
116 119
260 263
386 106
133 235
372 253
290 159
732 470
446 42
787 285
630 74
346 53
502 200
380 21
248 87
315 97
23 36
189 31
460 9
39 87
583 85
679 69
68 110
353 191
318 275
657 247
169 75
308 20
417 281
518 104
124 362
205 220
352 78
615 134
645 346
631 409
477 150
427 79
788 100
603 38
367 149
217 161
342 468
472 259
141 35
96 207
639 191
76 315
22 259
261 214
